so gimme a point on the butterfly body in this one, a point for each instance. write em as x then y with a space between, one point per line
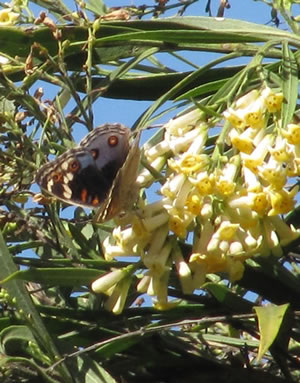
91 174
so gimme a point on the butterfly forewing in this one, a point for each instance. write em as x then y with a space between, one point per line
85 175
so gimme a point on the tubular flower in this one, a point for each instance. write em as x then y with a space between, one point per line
146 177
222 200
117 299
184 272
180 125
104 283
249 111
156 151
179 221
274 172
8 17
189 163
225 181
194 203
282 201
243 141
204 182
281 151
273 101
258 155
292 134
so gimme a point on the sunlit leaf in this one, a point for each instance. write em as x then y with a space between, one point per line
270 319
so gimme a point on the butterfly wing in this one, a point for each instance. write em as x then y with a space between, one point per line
124 189
83 176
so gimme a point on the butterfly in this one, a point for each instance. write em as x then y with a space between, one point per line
99 173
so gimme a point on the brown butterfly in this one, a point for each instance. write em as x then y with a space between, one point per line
99 173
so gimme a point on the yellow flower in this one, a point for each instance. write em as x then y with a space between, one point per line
201 241
225 179
273 101
189 163
282 201
179 221
144 283
256 158
261 203
163 306
212 263
243 142
227 230
132 236
281 152
180 200
249 111
159 285
112 251
292 134
275 173
204 182
194 203
199 142
249 242
271 239
181 144
152 223
7 17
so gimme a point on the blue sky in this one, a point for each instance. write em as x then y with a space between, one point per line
126 112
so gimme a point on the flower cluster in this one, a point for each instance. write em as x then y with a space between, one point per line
225 198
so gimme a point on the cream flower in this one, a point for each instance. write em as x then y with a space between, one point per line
117 299
256 158
8 17
180 125
184 272
273 101
104 283
274 172
146 177
292 134
181 144
157 150
249 111
225 178
282 201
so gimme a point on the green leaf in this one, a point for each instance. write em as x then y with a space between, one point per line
57 276
96 6
12 337
228 299
289 85
270 318
89 371
23 302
